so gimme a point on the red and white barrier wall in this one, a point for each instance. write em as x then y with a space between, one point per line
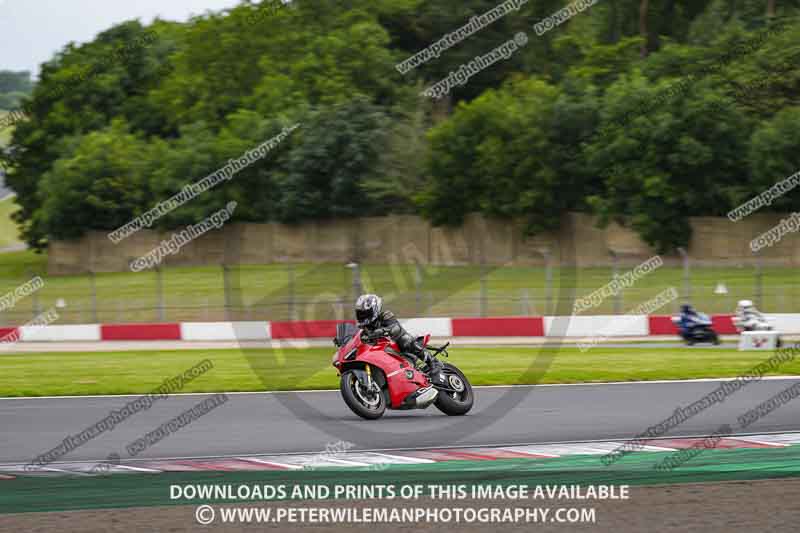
565 326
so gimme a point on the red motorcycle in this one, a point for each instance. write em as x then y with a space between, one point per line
376 375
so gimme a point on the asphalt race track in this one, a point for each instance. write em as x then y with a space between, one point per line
260 423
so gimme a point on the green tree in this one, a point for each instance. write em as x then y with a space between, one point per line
497 155
99 183
82 90
333 155
678 160
773 156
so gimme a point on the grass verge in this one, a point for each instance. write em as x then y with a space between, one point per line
8 228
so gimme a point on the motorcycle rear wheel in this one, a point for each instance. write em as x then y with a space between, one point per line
368 404
455 403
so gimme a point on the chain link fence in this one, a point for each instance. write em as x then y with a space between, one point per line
318 292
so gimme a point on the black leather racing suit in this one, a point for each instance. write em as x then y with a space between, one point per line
388 325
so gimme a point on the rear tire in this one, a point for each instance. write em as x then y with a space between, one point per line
366 404
462 403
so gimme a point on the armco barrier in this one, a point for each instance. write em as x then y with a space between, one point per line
8 335
784 322
579 326
661 325
61 333
140 332
305 329
498 327
598 325
225 331
723 324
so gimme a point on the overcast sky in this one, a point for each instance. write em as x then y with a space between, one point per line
31 31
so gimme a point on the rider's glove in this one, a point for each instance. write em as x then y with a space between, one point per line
375 334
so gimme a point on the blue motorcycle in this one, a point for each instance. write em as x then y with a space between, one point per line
695 327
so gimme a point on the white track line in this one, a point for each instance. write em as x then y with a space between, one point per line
137 468
765 443
403 458
257 460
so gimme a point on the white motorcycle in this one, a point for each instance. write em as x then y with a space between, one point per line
748 318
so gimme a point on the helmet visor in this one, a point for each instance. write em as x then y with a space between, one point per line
365 316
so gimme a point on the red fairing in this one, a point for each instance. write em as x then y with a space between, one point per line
402 379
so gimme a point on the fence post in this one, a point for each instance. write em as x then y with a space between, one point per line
160 293
356 268
526 302
615 275
418 288
548 281
93 288
290 290
37 308
484 290
227 288
687 281
759 283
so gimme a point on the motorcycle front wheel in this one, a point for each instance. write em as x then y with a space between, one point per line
366 403
458 399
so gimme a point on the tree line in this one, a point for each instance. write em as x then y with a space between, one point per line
643 112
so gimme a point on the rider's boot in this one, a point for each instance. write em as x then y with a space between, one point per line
433 366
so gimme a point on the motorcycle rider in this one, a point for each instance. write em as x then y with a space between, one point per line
377 322
688 321
748 318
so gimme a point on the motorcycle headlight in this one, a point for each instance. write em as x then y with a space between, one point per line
351 354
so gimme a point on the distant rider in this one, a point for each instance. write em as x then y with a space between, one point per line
377 322
688 321
748 318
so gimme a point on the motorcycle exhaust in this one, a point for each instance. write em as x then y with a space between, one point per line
426 397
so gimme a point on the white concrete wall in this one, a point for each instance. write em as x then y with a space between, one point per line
224 331
597 325
56 333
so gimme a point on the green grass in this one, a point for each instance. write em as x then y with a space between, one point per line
9 233
5 132
54 374
325 291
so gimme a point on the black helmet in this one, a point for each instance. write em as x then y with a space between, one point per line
685 308
368 308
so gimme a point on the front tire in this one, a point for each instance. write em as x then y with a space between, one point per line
369 404
455 403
